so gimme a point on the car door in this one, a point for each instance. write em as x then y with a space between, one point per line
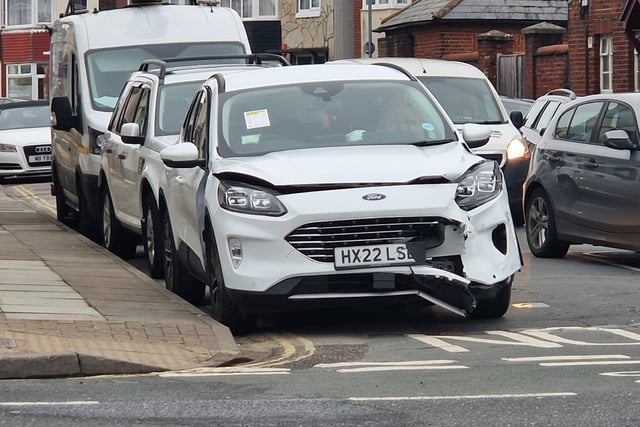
186 185
566 155
612 200
124 157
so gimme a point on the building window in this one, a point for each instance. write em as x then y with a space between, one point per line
27 12
253 9
384 4
606 65
26 81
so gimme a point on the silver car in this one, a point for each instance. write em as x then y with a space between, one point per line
582 186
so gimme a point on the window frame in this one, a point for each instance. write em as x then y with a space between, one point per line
606 64
10 6
36 78
390 4
252 12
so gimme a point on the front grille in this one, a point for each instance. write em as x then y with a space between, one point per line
9 166
318 240
493 156
38 155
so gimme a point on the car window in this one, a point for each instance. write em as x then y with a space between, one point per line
465 100
173 103
27 117
201 125
619 116
582 122
547 115
329 114
534 112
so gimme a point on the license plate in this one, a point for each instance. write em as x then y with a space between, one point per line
40 158
374 255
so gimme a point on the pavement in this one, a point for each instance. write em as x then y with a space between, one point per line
69 307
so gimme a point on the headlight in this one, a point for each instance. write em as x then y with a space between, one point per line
517 149
8 148
248 199
481 183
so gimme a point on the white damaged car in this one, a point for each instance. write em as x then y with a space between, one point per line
312 185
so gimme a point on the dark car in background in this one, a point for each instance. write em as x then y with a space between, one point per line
582 186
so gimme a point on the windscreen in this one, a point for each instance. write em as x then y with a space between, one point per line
466 100
109 69
329 114
26 117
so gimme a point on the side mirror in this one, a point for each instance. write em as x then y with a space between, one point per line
618 139
475 135
61 114
182 155
130 133
517 119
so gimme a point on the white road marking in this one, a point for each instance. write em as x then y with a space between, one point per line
592 363
465 397
69 403
224 371
565 358
529 305
438 343
413 365
405 363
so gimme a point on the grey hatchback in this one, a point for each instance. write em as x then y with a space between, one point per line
583 183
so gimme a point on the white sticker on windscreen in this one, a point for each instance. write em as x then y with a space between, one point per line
256 119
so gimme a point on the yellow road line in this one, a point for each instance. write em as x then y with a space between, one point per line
290 353
28 194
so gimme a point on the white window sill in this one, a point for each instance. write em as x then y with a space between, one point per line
314 13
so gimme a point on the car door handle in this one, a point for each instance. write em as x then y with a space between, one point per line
108 150
180 180
122 156
591 164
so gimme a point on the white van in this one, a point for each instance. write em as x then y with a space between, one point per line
92 56
468 96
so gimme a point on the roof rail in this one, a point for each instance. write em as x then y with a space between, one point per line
562 92
250 59
397 67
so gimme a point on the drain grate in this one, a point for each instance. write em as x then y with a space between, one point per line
7 343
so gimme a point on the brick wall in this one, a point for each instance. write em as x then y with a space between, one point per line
551 69
602 17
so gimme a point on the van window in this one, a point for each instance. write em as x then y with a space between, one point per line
109 69
466 100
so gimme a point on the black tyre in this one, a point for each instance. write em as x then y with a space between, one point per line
540 225
176 277
223 309
496 306
152 239
114 237
87 224
62 210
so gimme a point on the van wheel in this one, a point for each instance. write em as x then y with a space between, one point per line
176 278
114 237
86 223
223 309
62 210
540 227
496 306
152 237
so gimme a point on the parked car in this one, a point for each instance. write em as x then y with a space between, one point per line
537 118
516 104
468 96
25 139
5 100
583 182
285 191
147 118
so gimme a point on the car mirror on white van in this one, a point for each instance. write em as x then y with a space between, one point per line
62 117
130 133
517 119
182 155
475 135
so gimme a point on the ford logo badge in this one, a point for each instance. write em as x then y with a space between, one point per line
374 196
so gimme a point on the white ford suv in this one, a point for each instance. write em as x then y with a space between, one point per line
288 188
147 118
